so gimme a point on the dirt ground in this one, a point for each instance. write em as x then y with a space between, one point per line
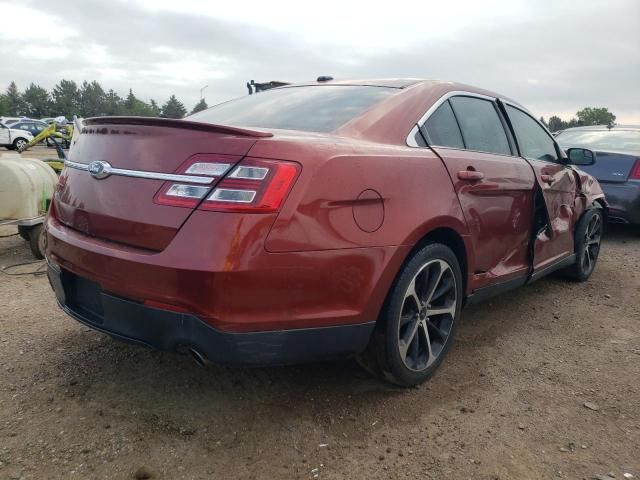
541 383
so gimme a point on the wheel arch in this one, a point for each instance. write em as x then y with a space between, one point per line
450 238
447 235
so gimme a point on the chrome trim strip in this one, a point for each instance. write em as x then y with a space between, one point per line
168 177
456 93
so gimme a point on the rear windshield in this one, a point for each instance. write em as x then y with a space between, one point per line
313 108
626 141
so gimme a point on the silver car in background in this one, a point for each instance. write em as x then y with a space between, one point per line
616 166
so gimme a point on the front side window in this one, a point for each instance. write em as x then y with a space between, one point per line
482 129
317 108
442 128
534 142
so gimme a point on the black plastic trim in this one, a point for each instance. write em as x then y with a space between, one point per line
484 293
565 262
166 330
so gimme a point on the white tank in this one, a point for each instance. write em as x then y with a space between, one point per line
26 186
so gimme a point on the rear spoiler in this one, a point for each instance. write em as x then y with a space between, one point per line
173 123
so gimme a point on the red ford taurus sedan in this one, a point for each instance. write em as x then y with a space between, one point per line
317 221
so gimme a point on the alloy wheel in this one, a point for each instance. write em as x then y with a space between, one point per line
20 144
427 315
592 239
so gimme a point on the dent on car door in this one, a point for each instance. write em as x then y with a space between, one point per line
557 185
495 188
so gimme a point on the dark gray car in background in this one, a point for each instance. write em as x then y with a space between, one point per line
616 166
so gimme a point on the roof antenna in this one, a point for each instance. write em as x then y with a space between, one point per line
324 78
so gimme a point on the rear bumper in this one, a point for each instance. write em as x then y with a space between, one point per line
216 268
624 201
166 330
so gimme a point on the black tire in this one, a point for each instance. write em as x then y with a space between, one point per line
414 332
36 241
588 236
24 232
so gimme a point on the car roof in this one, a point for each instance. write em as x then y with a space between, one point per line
391 120
595 128
376 82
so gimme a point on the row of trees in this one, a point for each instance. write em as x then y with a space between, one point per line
86 100
585 117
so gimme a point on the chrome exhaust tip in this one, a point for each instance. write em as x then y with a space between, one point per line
198 357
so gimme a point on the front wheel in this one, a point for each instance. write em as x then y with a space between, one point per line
588 235
418 322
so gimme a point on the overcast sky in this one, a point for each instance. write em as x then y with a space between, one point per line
554 56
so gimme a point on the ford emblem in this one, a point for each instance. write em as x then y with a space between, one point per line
99 169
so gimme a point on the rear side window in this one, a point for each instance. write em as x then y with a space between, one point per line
442 128
481 127
317 108
533 141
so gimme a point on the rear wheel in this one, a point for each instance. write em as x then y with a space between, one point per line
19 144
418 322
588 236
24 232
36 241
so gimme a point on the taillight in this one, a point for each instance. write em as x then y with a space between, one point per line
206 169
635 171
253 186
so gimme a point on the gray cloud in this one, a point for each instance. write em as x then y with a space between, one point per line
556 61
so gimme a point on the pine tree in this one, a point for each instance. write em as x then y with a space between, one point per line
201 105
37 103
173 108
14 100
66 99
93 100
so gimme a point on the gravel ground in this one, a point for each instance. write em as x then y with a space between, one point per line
540 383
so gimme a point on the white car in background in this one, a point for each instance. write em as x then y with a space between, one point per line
14 139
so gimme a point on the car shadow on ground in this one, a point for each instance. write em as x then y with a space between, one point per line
102 373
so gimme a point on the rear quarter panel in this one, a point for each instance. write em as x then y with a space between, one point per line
354 196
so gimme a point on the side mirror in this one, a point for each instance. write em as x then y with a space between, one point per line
581 156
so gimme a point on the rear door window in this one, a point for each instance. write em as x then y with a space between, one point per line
442 128
534 142
482 129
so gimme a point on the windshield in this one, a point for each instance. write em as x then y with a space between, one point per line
311 108
626 141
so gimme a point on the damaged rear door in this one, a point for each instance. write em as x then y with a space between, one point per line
553 236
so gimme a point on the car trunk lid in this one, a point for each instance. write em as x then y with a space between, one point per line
120 207
611 167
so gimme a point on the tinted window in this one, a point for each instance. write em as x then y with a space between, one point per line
533 140
481 127
442 128
418 138
625 141
313 108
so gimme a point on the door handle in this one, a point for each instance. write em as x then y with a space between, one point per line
547 178
470 175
